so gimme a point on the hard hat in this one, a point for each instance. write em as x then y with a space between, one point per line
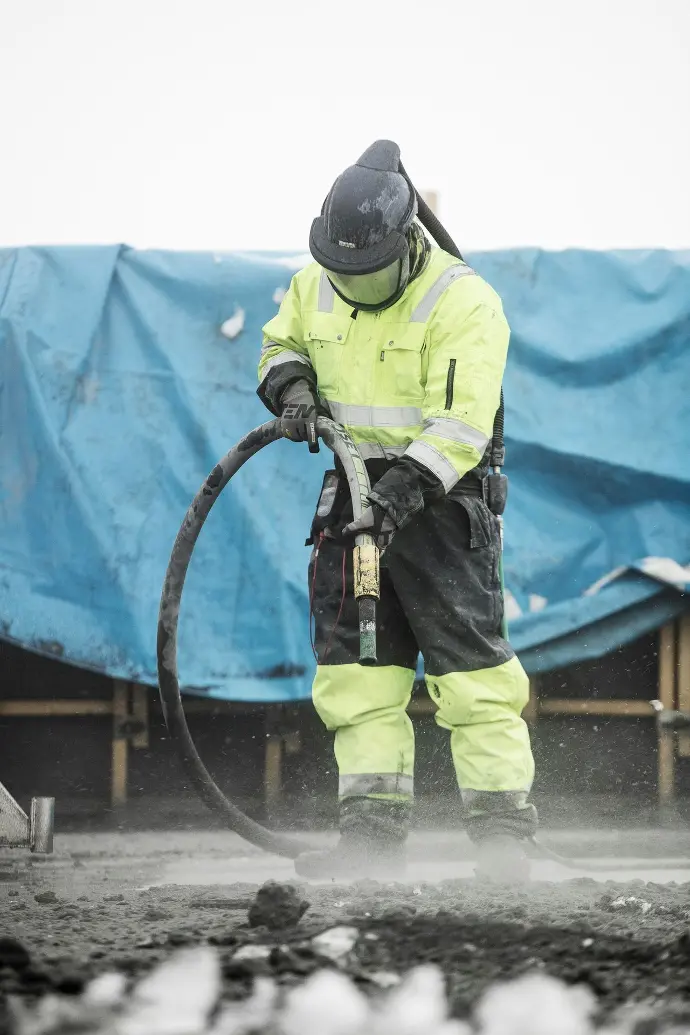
362 237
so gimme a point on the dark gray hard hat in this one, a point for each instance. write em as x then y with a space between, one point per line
364 222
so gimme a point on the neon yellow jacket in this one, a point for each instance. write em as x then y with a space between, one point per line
422 378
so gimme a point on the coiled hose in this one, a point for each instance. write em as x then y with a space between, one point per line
366 590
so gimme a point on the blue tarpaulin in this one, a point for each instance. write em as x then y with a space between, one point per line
125 375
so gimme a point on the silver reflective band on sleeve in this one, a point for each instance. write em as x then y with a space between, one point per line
268 345
456 431
288 356
326 294
375 451
375 416
376 783
423 311
436 462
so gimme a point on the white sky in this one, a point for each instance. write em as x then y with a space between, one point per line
217 124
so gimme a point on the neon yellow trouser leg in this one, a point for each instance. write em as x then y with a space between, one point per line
374 740
489 740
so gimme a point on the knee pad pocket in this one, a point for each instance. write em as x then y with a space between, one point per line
467 697
345 695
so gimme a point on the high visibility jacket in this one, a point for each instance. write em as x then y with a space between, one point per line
421 378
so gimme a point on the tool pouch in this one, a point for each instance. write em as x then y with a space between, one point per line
495 491
330 505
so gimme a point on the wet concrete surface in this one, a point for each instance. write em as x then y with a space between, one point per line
129 900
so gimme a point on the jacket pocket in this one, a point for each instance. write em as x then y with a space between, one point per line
400 361
325 335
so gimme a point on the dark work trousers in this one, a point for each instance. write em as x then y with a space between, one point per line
441 596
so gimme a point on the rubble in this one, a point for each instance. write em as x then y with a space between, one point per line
277 906
372 934
184 997
336 942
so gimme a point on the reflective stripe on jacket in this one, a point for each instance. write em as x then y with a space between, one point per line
421 378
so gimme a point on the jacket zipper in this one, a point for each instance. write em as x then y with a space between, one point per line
449 384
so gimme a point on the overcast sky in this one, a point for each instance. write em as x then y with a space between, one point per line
217 124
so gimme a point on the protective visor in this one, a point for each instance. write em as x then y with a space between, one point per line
372 291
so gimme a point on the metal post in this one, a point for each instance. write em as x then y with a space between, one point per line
684 680
120 744
42 824
666 746
273 772
140 716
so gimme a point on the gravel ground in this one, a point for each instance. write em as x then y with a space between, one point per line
128 901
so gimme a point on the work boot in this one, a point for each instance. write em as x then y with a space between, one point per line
500 824
502 859
372 844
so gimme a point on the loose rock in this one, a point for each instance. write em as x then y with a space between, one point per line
44 898
13 954
277 906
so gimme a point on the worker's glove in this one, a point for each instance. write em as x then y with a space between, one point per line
375 522
299 407
404 490
395 499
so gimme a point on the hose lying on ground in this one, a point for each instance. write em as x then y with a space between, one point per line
366 589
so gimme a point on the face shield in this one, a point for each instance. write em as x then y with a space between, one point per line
372 292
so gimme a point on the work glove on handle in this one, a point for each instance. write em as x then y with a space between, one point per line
395 500
298 412
375 522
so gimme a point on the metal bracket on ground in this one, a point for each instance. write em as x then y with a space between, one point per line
17 830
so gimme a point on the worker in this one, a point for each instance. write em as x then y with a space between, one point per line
405 346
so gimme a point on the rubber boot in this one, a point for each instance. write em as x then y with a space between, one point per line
500 823
372 843
502 859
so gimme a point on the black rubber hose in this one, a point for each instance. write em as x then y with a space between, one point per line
432 222
168 617
498 449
